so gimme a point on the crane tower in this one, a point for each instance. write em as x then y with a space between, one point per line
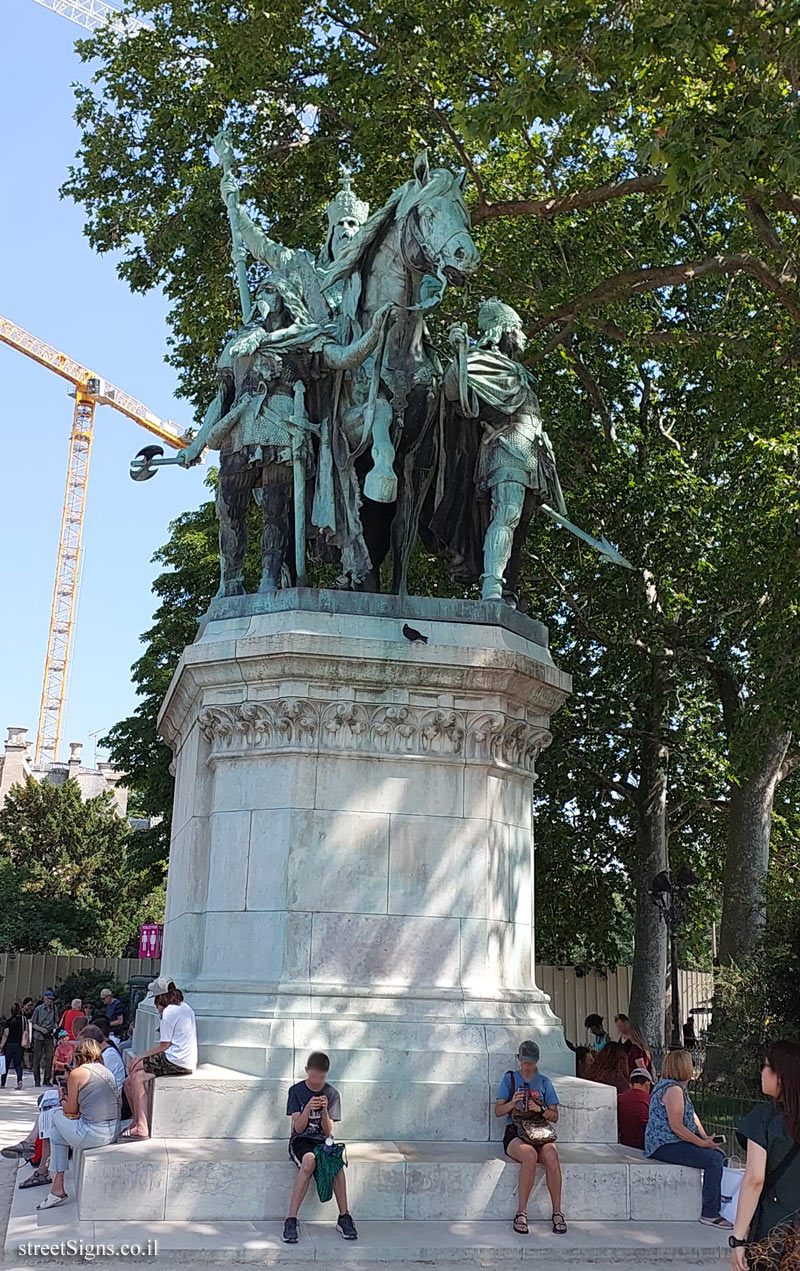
90 391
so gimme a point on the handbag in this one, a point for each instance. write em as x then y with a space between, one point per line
531 1125
779 1248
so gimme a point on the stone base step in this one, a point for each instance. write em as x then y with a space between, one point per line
225 1180
683 1246
218 1103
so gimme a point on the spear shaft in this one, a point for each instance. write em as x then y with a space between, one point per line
601 545
224 152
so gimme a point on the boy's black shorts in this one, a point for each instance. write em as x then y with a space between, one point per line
298 1147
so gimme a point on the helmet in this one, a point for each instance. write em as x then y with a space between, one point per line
496 317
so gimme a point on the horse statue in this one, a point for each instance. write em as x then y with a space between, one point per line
383 412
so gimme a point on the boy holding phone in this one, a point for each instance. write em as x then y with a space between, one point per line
314 1105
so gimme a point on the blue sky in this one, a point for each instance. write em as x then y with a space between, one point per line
54 285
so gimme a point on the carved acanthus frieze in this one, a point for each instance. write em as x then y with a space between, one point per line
365 728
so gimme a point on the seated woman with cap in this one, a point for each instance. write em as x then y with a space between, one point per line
174 1056
528 1101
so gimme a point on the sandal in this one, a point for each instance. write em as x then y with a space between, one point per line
51 1201
39 1178
559 1224
127 1137
521 1224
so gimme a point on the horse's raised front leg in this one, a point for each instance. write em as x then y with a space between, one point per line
380 483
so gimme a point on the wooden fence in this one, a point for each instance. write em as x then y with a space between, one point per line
573 997
29 974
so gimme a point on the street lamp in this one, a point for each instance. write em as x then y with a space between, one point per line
672 901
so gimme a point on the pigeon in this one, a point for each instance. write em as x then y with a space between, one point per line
413 635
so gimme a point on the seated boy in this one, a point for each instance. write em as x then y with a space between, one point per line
313 1106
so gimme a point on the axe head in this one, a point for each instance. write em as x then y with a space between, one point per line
142 468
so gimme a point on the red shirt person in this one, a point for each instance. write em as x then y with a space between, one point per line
69 1017
633 1109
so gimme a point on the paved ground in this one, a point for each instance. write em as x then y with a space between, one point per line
588 1247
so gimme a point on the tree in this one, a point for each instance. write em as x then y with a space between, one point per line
185 589
632 190
66 873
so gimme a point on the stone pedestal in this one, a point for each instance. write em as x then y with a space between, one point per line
352 857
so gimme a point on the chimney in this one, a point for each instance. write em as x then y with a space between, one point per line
16 761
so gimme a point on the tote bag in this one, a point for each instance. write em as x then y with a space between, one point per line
731 1183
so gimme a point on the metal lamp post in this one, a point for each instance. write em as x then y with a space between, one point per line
672 901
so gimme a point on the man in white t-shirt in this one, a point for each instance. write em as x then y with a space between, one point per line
112 1059
174 1056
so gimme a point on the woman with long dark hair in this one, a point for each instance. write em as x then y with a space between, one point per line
769 1197
610 1067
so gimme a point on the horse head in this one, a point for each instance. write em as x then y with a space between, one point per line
435 224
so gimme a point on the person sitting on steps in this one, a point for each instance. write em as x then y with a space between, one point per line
527 1088
175 1055
314 1106
675 1134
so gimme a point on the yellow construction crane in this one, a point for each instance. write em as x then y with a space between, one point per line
92 14
90 391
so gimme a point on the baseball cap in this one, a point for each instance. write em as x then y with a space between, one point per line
641 1072
161 985
62 1032
49 993
528 1050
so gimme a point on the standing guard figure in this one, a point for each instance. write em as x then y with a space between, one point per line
512 463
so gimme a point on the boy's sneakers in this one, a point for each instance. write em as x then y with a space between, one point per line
346 1227
290 1232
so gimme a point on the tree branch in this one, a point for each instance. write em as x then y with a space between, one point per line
688 339
790 764
763 226
593 390
636 282
465 159
560 204
625 789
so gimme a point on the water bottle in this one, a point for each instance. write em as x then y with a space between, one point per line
327 1146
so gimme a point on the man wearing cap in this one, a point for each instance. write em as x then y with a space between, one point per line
43 1024
528 1089
175 1055
113 1010
633 1109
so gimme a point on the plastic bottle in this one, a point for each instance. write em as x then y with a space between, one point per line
327 1146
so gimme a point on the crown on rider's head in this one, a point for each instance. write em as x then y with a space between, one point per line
346 203
494 315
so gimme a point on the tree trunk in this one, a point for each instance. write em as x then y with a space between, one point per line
648 984
747 856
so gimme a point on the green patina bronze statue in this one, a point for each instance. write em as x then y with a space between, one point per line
496 445
335 413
